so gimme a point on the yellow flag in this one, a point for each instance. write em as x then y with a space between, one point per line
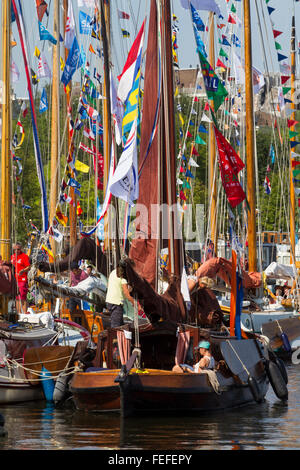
181 119
79 166
62 64
37 52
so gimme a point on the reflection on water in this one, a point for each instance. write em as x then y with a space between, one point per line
270 425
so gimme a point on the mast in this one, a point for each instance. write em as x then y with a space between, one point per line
292 189
250 153
6 136
55 145
212 146
73 207
169 139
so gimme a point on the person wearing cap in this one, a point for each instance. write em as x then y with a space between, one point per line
21 264
206 361
77 275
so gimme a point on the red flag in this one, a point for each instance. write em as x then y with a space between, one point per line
206 107
295 163
231 19
291 123
41 8
298 202
188 134
276 33
284 78
194 152
220 64
230 164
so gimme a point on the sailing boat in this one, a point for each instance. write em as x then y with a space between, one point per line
146 381
257 309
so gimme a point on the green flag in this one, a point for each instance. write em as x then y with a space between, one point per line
199 140
214 88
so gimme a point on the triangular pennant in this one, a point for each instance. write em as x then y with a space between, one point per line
199 140
276 33
285 90
281 57
284 78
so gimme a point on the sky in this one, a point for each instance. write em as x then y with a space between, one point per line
187 56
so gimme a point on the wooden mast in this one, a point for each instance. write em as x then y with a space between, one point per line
6 136
292 189
212 146
250 141
55 120
169 138
73 208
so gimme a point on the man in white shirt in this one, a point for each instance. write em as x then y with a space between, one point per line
117 292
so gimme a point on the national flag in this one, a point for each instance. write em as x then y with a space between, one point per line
43 102
131 67
70 27
45 35
267 185
89 134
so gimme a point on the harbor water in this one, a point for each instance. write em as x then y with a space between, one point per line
272 425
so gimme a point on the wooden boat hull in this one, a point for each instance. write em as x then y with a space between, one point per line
157 391
96 391
164 391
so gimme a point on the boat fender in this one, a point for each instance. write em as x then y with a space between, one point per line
286 343
253 385
47 383
281 366
60 388
276 380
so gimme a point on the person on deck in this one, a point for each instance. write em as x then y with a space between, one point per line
117 292
77 275
21 264
207 362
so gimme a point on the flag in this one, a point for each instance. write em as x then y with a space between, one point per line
126 34
70 27
89 134
24 109
197 20
258 80
43 102
124 183
43 67
62 219
45 35
208 5
15 74
80 166
117 110
86 3
85 26
131 111
131 67
213 85
73 62
230 164
41 8
123 15
267 185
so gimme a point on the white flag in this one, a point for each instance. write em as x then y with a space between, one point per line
86 3
70 27
15 74
43 70
258 80
209 5
205 118
124 183
192 162
117 110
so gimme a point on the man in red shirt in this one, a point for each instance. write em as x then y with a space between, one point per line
21 264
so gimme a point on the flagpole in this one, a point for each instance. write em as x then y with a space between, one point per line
292 188
6 136
55 121
250 153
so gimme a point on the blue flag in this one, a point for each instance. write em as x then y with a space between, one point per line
43 102
85 26
74 61
45 35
